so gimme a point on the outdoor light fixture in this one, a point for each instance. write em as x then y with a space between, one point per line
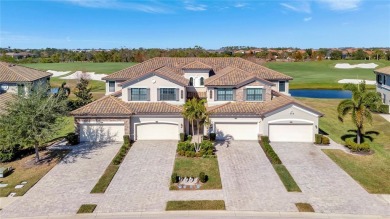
292 113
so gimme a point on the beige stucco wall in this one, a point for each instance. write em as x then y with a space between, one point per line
13 87
291 114
276 87
117 87
153 83
159 118
196 74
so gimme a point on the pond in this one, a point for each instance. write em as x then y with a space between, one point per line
331 94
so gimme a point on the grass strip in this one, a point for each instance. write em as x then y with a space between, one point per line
86 208
111 170
195 205
286 178
304 207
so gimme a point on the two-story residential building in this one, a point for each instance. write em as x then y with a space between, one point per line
16 79
383 83
245 100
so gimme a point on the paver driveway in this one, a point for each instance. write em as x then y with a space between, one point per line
67 185
142 181
325 185
249 181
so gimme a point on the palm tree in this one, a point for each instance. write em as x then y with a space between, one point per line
359 106
200 114
189 112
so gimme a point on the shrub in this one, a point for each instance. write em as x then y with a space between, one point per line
203 177
189 138
384 109
72 138
272 156
182 137
325 140
126 139
354 147
185 146
206 145
213 136
318 139
188 153
6 155
174 178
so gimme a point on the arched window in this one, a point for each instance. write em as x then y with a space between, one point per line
201 81
191 81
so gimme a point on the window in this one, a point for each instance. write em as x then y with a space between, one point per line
254 94
379 79
21 90
282 86
139 94
201 81
224 94
191 81
167 94
111 86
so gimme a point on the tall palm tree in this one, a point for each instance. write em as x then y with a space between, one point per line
359 106
200 114
189 112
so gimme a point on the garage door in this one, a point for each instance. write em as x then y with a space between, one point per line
236 131
101 132
157 131
291 133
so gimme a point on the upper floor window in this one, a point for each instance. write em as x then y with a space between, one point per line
282 86
111 86
254 94
139 94
191 81
168 93
224 94
201 81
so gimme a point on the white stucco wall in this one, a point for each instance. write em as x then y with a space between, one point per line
276 87
291 114
197 74
117 87
154 82
159 118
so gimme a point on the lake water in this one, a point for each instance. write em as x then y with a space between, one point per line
331 94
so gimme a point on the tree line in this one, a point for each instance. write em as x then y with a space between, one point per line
53 55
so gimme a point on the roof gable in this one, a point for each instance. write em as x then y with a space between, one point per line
196 65
162 73
385 70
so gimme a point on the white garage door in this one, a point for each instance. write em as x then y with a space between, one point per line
236 131
291 133
92 132
157 131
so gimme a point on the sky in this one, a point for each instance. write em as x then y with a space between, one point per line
165 24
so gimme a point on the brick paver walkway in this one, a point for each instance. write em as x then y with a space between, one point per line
325 185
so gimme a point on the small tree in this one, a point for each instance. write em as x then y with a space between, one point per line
33 119
359 106
83 93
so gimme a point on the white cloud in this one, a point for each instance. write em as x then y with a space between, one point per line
240 5
341 5
306 19
299 6
144 6
191 7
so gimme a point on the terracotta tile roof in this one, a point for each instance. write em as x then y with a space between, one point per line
105 106
164 72
17 73
196 65
385 70
258 108
112 106
153 108
233 77
4 99
177 64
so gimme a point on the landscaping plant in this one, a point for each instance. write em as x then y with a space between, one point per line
359 106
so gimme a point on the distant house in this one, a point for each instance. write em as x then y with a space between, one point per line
16 79
383 83
19 55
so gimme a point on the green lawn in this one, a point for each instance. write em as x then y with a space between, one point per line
105 179
323 74
195 205
186 166
86 208
99 68
286 178
371 171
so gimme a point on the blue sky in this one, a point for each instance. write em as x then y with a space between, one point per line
186 23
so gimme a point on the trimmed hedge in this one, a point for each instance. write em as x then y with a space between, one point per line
187 149
272 156
354 147
321 139
122 151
